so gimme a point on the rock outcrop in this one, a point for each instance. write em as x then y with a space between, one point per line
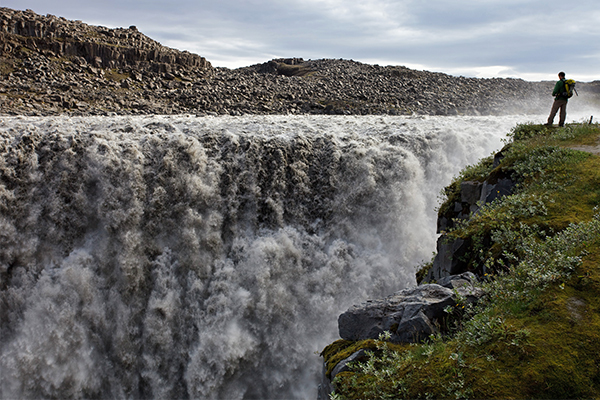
52 66
409 315
450 256
100 47
412 315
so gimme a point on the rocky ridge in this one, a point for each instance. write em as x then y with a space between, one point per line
51 66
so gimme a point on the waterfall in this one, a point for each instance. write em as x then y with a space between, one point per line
184 257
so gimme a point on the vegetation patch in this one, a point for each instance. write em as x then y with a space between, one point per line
115 75
293 70
536 333
6 66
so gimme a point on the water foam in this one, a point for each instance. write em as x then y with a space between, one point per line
178 257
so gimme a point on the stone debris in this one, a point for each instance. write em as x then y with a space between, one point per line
52 66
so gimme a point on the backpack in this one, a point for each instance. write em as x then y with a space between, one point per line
569 88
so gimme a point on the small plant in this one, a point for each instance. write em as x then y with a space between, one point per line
537 250
114 75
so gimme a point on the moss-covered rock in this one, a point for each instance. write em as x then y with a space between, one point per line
537 333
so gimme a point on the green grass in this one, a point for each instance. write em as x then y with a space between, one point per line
536 333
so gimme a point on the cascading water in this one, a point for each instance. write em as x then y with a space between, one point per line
184 257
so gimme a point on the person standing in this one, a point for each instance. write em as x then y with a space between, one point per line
561 99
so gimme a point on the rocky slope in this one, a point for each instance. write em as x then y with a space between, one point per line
49 66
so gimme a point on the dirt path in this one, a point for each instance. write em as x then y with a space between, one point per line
590 149
594 149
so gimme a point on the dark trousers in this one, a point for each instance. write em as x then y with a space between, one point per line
559 104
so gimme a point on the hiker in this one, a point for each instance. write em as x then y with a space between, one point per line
560 101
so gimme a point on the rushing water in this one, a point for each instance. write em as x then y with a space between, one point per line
184 257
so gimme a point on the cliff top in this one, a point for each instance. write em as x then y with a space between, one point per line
57 36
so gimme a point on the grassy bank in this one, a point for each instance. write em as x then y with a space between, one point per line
536 333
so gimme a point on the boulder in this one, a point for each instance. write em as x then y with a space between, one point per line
410 315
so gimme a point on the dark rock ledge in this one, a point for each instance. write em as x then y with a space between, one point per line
412 315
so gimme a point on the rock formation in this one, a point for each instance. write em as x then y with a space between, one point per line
410 315
449 259
100 47
52 66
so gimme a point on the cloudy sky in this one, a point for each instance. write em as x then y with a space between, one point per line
528 39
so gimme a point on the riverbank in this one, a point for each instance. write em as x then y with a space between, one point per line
534 334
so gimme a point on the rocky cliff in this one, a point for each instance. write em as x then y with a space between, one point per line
509 306
54 37
49 66
413 315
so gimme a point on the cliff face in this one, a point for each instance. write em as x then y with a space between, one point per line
99 46
520 244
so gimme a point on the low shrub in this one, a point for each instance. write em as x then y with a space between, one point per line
536 333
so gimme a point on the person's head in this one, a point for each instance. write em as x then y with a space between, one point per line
561 75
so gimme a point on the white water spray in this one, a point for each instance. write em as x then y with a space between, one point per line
183 257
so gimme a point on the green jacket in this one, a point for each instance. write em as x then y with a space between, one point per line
560 90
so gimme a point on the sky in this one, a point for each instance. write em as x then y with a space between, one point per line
527 39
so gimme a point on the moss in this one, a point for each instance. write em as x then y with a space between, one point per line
537 332
114 75
342 349
564 354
